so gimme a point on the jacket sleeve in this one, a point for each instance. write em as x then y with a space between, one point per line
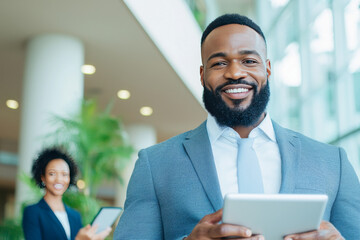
345 214
31 225
141 218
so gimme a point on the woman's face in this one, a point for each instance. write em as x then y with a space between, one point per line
57 177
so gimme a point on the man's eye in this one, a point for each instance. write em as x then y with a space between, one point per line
52 174
249 61
219 64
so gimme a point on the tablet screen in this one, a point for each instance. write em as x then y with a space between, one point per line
106 217
275 215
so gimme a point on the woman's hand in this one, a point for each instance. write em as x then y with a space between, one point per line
89 233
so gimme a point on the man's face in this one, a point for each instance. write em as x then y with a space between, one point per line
235 70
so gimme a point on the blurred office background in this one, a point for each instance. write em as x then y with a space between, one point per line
152 50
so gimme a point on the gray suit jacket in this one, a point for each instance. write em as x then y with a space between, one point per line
175 184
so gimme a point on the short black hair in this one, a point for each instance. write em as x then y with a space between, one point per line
47 155
231 19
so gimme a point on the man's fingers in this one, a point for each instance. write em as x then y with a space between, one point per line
302 236
228 230
326 231
327 225
318 235
212 229
213 217
255 237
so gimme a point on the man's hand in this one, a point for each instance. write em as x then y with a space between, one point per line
326 232
209 228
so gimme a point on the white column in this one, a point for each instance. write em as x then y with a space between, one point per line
344 84
307 117
141 136
53 84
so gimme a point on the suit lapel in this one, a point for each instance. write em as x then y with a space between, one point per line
290 150
53 218
71 222
198 148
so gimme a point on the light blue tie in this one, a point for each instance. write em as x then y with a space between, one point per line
248 168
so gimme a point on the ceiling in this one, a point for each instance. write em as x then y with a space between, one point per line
124 57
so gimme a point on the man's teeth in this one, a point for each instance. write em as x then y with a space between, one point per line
237 90
58 186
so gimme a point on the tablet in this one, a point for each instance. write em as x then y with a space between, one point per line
275 215
106 217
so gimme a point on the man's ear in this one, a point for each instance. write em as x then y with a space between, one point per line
202 75
268 68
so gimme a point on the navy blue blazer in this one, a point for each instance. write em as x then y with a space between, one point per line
40 222
175 184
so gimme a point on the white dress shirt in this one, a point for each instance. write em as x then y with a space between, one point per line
223 142
63 218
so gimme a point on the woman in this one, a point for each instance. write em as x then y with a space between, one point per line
50 218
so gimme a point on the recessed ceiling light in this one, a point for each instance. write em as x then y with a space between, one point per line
88 69
13 104
123 94
146 111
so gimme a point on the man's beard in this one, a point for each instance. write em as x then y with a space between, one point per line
232 117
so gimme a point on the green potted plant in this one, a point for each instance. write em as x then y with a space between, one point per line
97 141
100 146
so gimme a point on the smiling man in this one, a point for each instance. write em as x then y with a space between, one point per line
235 75
177 187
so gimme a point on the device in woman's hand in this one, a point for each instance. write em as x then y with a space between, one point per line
106 217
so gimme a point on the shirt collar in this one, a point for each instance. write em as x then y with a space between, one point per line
214 129
264 128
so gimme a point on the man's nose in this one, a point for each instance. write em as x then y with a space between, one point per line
235 71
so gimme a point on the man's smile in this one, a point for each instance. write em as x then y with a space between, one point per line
238 91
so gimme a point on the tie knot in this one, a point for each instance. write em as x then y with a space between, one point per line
245 142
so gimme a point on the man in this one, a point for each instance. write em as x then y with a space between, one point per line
177 187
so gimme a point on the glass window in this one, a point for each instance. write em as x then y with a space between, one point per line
352 28
356 82
315 51
289 67
322 47
278 3
352 24
323 36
